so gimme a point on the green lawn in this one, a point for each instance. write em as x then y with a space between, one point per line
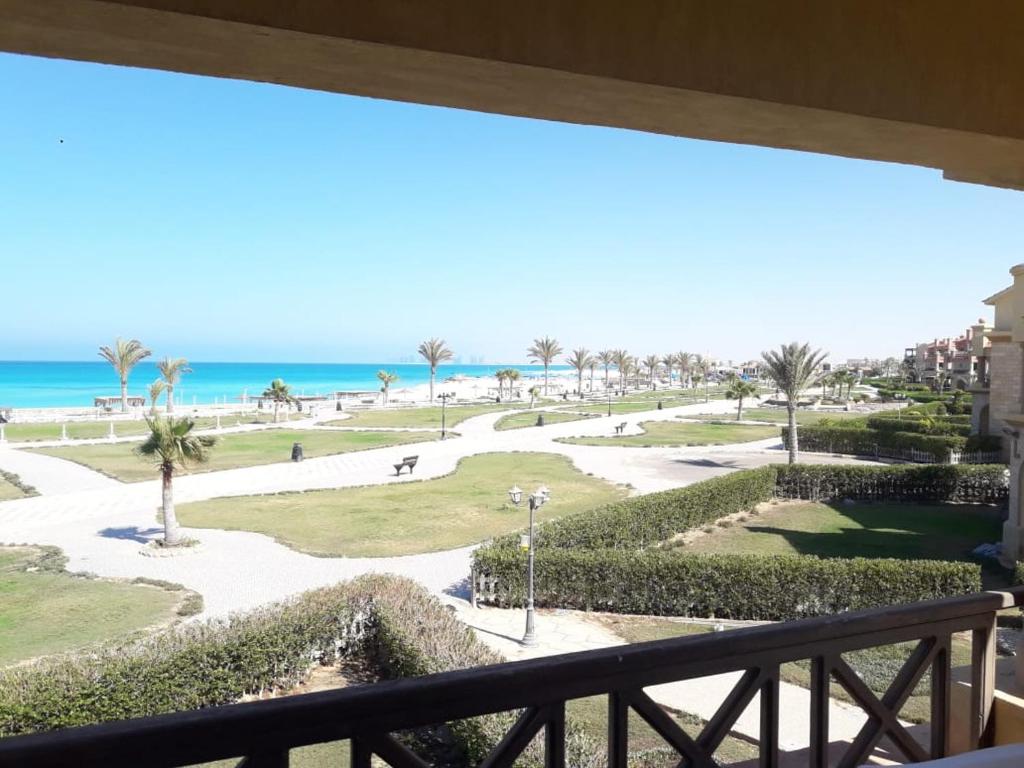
778 415
463 508
876 666
926 531
243 449
81 430
426 417
591 715
674 433
48 610
529 419
11 487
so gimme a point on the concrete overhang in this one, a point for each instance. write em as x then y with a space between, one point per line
935 83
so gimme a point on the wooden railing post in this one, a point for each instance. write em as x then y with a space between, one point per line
983 675
618 731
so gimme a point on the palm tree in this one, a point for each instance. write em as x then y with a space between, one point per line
684 360
279 392
156 388
620 359
634 367
534 391
669 361
513 376
792 367
579 359
606 357
387 378
824 381
501 376
172 370
847 379
592 365
651 363
435 352
124 356
544 351
740 390
703 365
172 444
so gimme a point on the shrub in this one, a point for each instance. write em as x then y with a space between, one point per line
593 562
737 586
641 521
963 483
391 621
871 442
924 425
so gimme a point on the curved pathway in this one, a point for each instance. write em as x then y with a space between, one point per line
101 524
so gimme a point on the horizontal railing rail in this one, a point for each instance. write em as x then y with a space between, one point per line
264 731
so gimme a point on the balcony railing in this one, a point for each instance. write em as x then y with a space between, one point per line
264 732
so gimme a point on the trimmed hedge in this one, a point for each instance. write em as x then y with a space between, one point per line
608 559
938 425
641 521
389 621
869 442
961 483
760 587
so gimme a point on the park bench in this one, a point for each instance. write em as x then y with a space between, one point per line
408 461
619 428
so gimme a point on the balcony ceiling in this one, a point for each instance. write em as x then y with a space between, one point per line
935 83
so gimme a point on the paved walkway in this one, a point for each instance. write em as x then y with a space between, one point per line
101 524
569 631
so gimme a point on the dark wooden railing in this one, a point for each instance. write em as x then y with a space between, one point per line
265 731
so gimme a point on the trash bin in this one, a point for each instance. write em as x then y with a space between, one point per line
540 419
659 405
296 451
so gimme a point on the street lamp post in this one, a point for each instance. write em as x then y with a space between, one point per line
537 499
444 397
609 403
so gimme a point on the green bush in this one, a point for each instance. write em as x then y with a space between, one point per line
961 483
757 587
923 425
641 521
606 559
871 442
390 622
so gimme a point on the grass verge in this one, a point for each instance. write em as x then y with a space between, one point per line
672 433
465 507
240 449
44 609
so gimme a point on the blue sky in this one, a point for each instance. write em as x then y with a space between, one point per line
226 220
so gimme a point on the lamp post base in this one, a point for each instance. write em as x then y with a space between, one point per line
530 637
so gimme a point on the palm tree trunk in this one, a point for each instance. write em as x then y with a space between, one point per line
172 534
545 379
277 405
432 372
591 380
606 377
739 410
579 382
124 394
170 398
793 440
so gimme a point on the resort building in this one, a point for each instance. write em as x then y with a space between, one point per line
953 361
998 396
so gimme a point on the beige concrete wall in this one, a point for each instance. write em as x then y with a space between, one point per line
1006 392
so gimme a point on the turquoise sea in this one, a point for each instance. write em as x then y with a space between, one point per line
66 384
